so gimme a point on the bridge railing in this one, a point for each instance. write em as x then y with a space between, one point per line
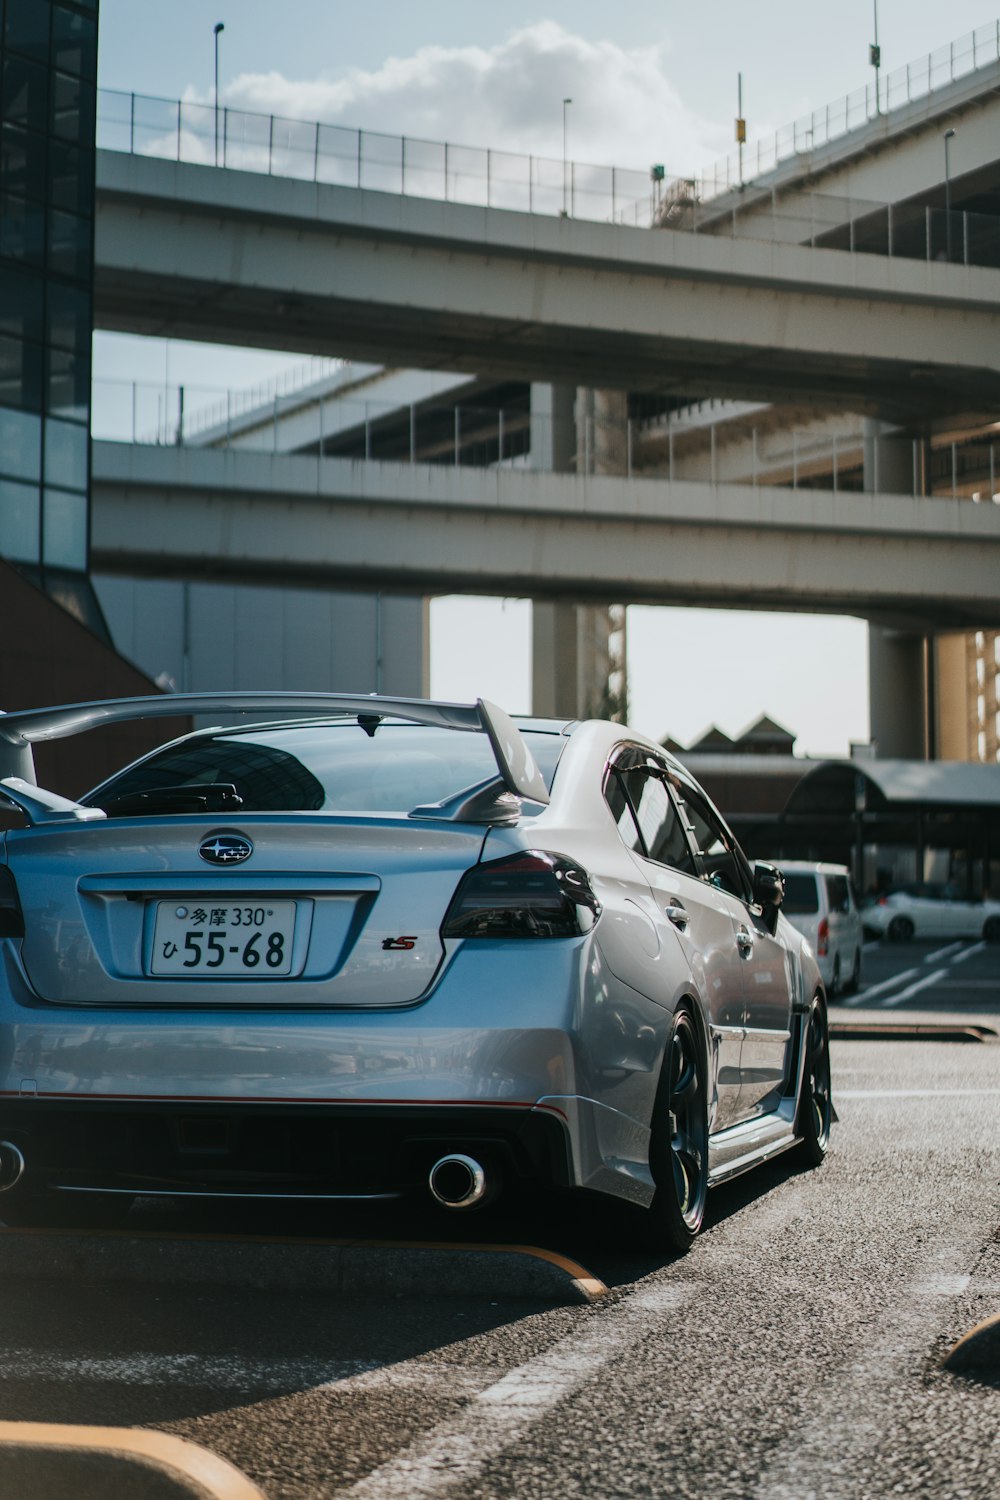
903 85
184 130
691 447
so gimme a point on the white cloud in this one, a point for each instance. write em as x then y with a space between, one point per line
625 111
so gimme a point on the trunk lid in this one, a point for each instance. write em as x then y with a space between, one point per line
323 910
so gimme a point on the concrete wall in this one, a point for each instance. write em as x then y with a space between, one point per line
204 636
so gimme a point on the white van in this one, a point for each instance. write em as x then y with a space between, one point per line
820 902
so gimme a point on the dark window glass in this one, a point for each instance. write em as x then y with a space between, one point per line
66 455
21 304
74 42
69 245
22 229
72 108
621 811
658 821
838 893
19 508
24 92
717 860
26 28
64 531
20 374
71 176
22 162
68 385
336 767
69 318
801 895
20 444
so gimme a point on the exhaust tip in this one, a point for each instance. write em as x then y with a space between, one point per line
457 1181
11 1165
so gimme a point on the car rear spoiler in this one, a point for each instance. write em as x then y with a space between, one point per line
20 731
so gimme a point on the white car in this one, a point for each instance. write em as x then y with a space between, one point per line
927 911
366 948
820 902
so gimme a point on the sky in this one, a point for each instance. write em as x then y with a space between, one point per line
650 81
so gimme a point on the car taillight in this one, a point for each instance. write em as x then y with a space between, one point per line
11 919
531 895
823 938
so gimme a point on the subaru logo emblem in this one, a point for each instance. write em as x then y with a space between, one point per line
226 849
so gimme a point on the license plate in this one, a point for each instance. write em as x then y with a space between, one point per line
198 939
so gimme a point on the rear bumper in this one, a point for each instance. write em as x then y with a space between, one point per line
273 1151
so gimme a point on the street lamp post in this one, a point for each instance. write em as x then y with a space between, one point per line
566 103
219 26
875 58
948 135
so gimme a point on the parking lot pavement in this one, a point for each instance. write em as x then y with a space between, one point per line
951 977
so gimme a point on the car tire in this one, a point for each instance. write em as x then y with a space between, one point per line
678 1154
835 978
854 983
815 1109
991 930
901 930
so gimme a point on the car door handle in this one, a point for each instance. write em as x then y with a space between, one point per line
744 942
676 913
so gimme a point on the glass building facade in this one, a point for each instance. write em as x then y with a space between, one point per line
48 96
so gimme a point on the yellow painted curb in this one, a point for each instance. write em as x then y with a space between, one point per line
202 1473
978 1350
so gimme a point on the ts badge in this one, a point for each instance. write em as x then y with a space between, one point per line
405 943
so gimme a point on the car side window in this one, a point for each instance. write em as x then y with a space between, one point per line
621 811
663 836
718 861
838 893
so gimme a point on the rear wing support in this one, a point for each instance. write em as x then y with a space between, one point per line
20 731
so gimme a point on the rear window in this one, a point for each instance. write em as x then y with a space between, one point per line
801 895
838 893
336 768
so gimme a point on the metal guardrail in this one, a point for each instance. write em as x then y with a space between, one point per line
182 130
474 436
904 85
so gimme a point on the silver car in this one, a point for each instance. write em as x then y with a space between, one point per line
362 948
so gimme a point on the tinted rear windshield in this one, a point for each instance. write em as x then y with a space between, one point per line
801 895
336 768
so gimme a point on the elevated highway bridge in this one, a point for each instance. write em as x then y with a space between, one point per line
188 251
914 564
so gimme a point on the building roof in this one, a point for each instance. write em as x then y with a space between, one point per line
942 783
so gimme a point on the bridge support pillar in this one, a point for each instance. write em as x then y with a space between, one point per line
900 666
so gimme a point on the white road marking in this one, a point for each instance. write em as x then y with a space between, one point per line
969 952
876 989
914 989
933 958
456 1451
916 1094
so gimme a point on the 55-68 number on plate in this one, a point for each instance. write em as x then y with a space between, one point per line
200 939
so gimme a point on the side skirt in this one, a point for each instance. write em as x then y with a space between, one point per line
748 1144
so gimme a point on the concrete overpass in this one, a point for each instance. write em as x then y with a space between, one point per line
919 564
188 251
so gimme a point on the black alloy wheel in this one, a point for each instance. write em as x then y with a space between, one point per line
900 930
815 1112
679 1145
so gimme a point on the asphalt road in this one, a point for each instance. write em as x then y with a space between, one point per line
794 1353
929 976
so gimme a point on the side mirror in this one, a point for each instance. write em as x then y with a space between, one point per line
768 892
